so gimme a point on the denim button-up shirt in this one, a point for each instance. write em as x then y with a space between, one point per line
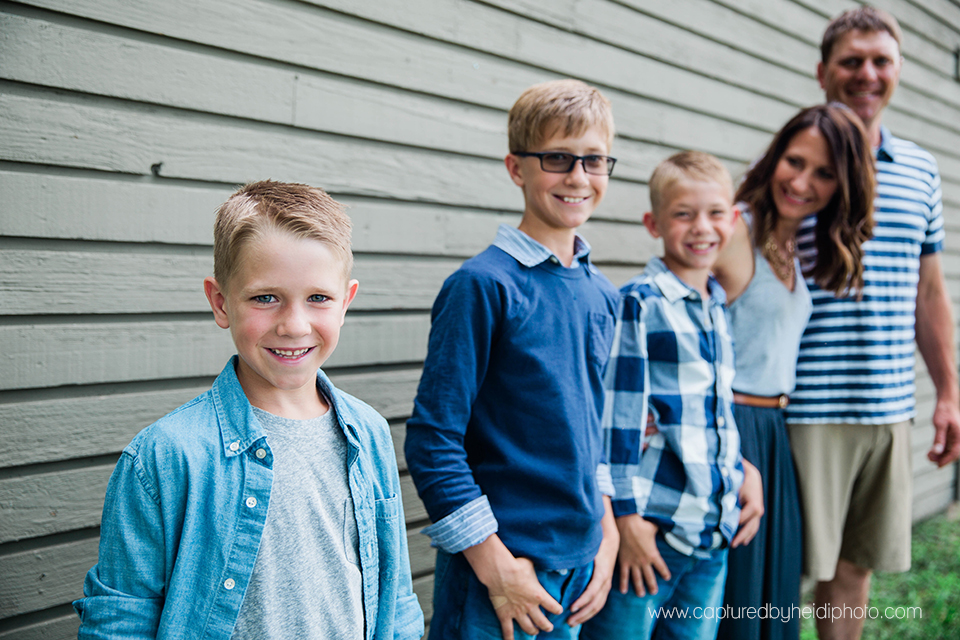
186 506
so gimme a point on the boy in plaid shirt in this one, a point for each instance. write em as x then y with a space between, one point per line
677 488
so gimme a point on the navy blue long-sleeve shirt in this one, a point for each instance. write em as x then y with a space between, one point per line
505 434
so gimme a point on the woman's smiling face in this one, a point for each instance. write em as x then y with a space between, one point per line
805 179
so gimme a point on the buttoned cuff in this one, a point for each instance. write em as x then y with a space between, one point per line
605 480
625 502
466 527
625 507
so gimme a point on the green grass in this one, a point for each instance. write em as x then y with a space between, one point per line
932 584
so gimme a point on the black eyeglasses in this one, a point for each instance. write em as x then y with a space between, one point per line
557 162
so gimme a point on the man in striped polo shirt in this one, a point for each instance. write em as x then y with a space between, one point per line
850 414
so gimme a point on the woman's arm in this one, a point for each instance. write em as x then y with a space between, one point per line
735 265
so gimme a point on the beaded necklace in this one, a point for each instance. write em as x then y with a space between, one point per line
782 260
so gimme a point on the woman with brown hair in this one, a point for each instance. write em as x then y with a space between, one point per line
819 165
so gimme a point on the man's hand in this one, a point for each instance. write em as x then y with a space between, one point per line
946 439
751 505
934 331
639 556
515 591
595 595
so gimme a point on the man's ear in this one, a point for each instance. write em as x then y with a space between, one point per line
218 302
513 168
820 76
650 222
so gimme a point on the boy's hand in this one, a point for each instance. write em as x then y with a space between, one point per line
639 555
595 595
650 429
751 505
515 591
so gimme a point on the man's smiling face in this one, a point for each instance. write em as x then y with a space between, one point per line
862 72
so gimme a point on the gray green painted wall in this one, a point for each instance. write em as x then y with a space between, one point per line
124 124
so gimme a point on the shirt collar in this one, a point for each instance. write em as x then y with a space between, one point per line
885 150
529 252
239 427
674 289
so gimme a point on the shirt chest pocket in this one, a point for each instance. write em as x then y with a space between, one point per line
599 337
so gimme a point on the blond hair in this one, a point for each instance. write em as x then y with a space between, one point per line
259 208
687 165
570 106
866 18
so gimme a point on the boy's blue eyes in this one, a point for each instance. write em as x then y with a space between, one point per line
269 298
688 214
566 157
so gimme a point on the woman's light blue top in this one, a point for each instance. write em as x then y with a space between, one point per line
767 321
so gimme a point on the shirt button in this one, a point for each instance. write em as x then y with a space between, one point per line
251 502
235 446
721 421
724 472
229 584
554 260
261 453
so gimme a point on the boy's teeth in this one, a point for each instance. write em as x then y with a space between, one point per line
573 200
290 353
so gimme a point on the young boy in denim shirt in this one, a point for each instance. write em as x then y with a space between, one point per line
269 506
676 491
505 443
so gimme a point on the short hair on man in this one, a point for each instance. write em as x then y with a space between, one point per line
868 19
570 106
259 208
697 166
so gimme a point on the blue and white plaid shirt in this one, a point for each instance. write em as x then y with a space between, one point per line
673 356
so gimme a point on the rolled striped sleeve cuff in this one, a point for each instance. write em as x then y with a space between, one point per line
468 526
605 480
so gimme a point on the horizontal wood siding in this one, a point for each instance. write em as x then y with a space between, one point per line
124 125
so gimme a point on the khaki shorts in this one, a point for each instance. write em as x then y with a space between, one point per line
856 489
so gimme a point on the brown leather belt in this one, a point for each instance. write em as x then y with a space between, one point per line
764 402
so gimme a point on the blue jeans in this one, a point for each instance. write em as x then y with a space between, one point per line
692 595
462 608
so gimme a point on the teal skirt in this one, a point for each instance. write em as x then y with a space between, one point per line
765 574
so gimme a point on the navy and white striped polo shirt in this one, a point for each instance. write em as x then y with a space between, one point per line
857 356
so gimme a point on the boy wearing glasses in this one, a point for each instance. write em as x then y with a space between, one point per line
505 442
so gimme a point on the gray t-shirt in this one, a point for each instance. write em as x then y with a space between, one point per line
306 582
